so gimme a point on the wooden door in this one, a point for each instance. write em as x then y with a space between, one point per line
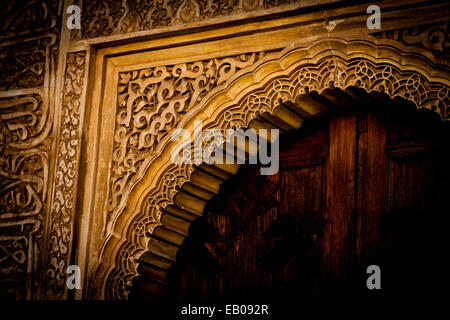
359 189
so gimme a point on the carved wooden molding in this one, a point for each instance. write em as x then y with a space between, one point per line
263 88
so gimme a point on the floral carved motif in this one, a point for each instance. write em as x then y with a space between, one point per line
63 206
107 17
23 16
152 101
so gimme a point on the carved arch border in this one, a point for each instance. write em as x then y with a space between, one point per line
267 87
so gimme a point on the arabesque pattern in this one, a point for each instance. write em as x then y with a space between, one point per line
319 69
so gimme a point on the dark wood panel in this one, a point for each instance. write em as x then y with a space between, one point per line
340 201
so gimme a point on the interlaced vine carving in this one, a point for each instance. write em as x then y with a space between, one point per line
151 103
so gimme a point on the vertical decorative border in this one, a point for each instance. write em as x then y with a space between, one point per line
29 49
62 212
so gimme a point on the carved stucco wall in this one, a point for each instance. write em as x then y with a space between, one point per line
41 112
29 38
61 215
43 102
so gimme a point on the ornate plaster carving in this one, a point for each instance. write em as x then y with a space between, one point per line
27 64
105 18
22 17
24 178
326 64
23 64
27 113
151 102
25 117
433 37
63 206
24 172
168 186
342 74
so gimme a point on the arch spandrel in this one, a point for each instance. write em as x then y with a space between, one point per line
264 87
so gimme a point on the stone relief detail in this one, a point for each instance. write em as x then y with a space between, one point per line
21 17
108 17
66 171
152 101
306 76
432 37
